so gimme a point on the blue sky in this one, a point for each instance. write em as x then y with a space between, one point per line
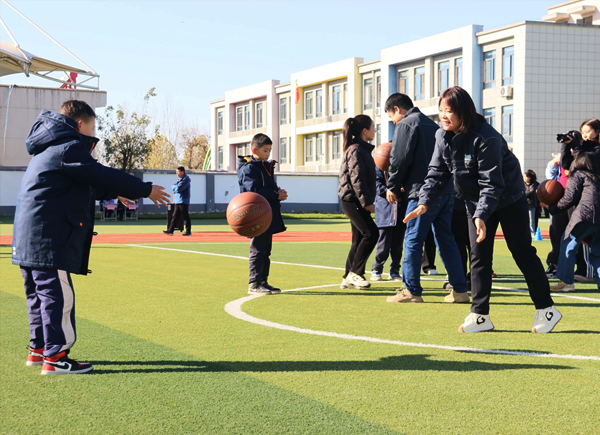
194 51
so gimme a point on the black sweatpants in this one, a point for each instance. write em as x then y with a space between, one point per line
259 262
515 226
181 210
460 230
429 247
364 237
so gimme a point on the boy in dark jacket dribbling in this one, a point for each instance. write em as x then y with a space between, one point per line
257 174
54 224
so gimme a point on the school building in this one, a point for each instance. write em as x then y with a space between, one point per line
531 80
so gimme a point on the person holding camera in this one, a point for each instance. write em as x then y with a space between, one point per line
573 143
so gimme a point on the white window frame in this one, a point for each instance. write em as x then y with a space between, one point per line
283 150
308 97
507 123
403 78
309 154
318 103
336 145
510 58
420 76
319 146
219 123
345 102
489 70
378 90
490 116
247 125
441 72
220 158
239 118
458 72
259 115
367 93
283 115
336 99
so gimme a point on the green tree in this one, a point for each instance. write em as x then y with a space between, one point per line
126 136
196 146
162 154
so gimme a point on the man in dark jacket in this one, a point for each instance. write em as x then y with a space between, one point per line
412 147
182 190
54 224
257 174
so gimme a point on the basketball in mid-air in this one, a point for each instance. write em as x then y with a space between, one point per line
249 214
550 192
382 156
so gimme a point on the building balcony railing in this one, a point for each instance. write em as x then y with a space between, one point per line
331 167
250 132
322 120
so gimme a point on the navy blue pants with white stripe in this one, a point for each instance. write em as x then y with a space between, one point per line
51 306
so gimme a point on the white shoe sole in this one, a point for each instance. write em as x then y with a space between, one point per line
460 329
533 330
376 279
33 363
54 372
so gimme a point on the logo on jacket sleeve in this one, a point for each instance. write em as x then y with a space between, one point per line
467 159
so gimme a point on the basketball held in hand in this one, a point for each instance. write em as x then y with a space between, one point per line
382 156
249 214
550 192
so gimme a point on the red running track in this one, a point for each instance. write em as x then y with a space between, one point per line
288 236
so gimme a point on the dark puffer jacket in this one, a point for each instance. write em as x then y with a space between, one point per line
54 218
357 174
582 191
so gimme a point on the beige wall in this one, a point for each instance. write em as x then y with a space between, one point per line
24 106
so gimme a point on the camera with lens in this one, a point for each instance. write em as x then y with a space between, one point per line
573 134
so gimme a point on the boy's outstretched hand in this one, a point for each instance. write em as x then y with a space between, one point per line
282 194
126 202
158 195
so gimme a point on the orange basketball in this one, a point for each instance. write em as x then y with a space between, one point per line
249 214
382 156
550 192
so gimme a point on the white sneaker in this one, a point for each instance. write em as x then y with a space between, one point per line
357 281
476 323
545 320
432 272
344 284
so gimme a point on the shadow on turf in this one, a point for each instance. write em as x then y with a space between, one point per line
402 362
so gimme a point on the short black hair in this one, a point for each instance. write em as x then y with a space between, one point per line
181 168
259 140
77 110
399 100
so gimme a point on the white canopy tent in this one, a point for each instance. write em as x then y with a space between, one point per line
15 60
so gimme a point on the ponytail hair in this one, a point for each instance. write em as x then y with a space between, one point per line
353 127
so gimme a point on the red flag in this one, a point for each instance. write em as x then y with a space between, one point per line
297 93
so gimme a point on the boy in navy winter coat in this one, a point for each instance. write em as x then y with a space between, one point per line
54 224
257 174
391 230
182 191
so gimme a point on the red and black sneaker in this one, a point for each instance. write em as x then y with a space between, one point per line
35 357
61 364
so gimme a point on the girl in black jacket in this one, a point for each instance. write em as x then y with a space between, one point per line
488 176
583 191
357 191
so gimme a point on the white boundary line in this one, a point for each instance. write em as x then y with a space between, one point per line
234 308
341 268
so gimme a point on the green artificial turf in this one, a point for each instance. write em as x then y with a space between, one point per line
169 359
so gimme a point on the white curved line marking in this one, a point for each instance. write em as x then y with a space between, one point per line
234 308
